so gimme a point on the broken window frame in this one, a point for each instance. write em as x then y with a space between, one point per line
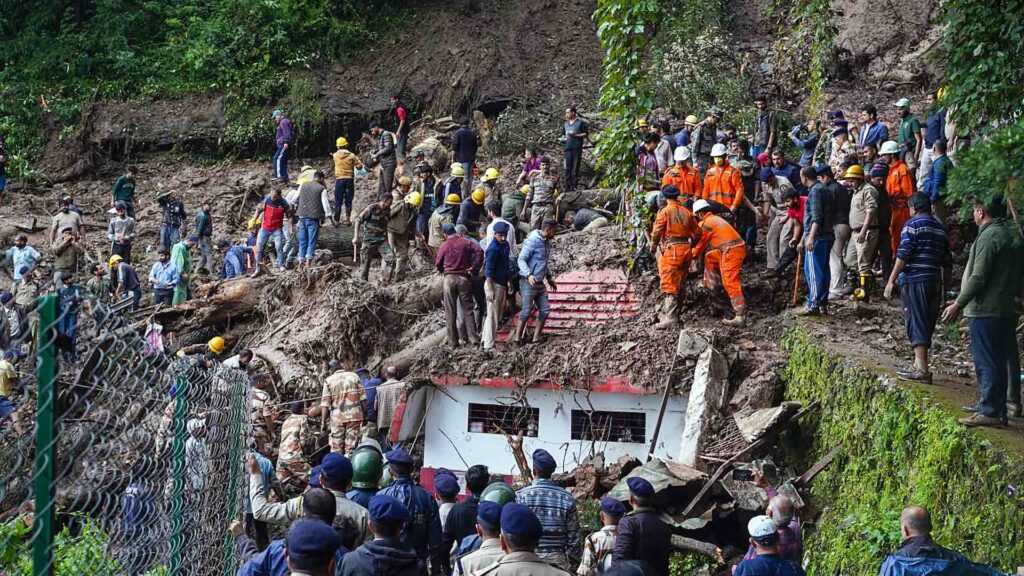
582 421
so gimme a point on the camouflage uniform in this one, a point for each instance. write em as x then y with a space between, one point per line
290 460
344 397
596 548
262 414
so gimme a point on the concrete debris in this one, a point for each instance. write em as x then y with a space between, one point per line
672 480
754 425
707 395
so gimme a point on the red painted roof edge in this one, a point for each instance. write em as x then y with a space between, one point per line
611 385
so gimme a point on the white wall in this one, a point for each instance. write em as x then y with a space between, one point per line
449 413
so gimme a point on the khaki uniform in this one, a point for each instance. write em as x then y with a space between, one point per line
344 397
350 519
290 460
488 553
596 548
521 564
861 255
261 415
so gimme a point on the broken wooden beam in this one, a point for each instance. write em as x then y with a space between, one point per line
820 465
684 544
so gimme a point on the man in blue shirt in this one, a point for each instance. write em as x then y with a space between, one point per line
765 539
923 267
234 259
819 235
788 170
21 255
920 555
934 129
164 277
806 141
533 271
497 273
871 130
934 184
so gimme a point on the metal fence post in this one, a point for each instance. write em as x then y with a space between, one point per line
46 446
235 437
181 392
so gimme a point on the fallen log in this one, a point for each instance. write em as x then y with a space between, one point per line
404 359
684 544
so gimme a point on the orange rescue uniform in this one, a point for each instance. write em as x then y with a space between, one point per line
724 185
674 227
724 259
900 187
685 177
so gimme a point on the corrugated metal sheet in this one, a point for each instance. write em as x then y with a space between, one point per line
588 297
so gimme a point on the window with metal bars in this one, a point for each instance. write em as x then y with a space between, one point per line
500 419
609 426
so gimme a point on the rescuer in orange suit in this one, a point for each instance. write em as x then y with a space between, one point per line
722 182
724 259
674 230
900 187
682 175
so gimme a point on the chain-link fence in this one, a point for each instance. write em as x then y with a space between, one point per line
121 458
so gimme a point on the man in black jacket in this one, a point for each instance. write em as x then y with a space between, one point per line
386 553
462 518
464 145
642 534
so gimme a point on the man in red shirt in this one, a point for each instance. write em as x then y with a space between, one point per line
273 209
402 130
458 259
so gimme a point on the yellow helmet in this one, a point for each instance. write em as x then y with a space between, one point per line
216 345
640 123
341 142
114 260
405 181
854 172
253 222
478 196
691 119
525 189
414 198
491 174
453 200
940 94
458 171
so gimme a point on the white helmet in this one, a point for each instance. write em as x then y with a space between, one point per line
682 153
889 147
701 205
718 150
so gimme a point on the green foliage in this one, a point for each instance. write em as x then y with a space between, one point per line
982 50
897 449
625 29
130 49
84 553
686 564
994 167
694 66
803 54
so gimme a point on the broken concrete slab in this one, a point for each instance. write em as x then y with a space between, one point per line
671 480
690 344
755 424
707 396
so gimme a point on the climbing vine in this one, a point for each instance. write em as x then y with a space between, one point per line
895 448
994 167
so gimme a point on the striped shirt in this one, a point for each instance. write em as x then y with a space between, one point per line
556 509
924 246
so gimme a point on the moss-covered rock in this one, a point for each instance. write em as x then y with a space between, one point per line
898 448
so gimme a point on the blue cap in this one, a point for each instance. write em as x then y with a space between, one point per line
382 507
362 370
277 113
192 238
337 468
398 456
639 487
518 520
311 540
444 472
6 297
488 514
822 169
840 130
448 228
612 507
23 270
544 461
446 485
671 192
501 227
879 170
766 174
314 476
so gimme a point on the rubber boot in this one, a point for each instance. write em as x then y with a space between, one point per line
738 320
537 330
861 293
670 314
520 333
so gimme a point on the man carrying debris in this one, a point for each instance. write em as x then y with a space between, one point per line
345 400
371 236
541 197
764 537
560 541
345 165
423 530
599 546
724 259
173 216
533 273
458 259
384 152
121 231
642 535
124 191
674 231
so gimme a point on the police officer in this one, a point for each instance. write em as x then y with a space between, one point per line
423 530
520 533
351 519
386 553
488 529
367 468
642 535
311 547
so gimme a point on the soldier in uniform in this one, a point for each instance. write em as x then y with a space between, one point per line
488 528
263 415
346 400
371 235
294 433
520 533
598 547
367 468
541 199
423 530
